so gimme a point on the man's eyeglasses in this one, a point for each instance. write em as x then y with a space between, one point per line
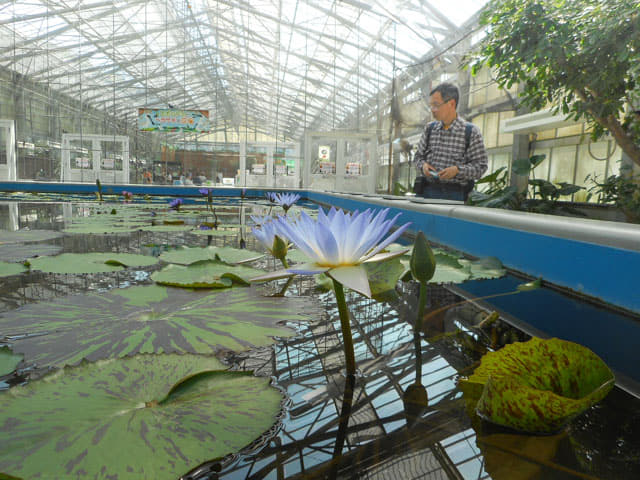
436 106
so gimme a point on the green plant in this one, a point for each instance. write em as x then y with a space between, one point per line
580 57
621 190
540 196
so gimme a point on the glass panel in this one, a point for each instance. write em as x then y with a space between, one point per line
257 160
3 145
112 155
562 166
81 154
323 156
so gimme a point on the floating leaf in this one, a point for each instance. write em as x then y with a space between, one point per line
539 385
8 269
216 233
8 361
148 416
21 252
149 319
533 285
189 255
383 276
165 228
90 262
205 274
25 236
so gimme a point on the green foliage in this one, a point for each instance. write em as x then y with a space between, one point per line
8 361
422 262
541 196
581 57
539 385
621 190
205 274
142 417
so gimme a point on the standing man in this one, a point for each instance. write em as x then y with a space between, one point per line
451 153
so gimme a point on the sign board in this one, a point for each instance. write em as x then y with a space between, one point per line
324 152
173 120
82 162
281 169
228 181
107 163
327 168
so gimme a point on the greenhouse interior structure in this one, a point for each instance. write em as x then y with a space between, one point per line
319 239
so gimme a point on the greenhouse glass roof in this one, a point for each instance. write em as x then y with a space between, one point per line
280 65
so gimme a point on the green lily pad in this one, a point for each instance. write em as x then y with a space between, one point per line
148 416
25 236
90 262
8 361
451 267
220 232
165 228
295 255
98 228
539 385
149 319
21 252
189 255
8 269
205 274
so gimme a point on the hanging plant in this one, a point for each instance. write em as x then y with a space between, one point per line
537 386
148 416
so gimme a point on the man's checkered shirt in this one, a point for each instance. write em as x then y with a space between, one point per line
446 148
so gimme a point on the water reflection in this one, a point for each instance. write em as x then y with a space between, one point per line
402 416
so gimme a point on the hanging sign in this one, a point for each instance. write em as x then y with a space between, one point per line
173 120
324 152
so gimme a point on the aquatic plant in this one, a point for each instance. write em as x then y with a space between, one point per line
537 386
338 243
269 235
286 200
99 190
8 360
127 196
175 203
208 192
146 416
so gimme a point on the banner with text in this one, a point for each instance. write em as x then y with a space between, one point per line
172 120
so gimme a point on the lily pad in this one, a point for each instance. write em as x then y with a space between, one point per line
165 228
148 416
149 319
8 361
220 232
451 267
8 269
90 262
21 252
205 274
189 255
539 385
25 236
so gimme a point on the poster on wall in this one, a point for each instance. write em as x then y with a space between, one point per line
173 120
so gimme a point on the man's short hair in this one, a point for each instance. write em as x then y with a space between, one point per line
447 92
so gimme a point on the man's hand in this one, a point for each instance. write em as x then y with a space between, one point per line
427 169
449 172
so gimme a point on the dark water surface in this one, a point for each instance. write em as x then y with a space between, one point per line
374 425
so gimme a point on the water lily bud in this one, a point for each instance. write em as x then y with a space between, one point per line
422 263
280 248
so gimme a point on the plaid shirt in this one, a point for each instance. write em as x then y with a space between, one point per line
446 148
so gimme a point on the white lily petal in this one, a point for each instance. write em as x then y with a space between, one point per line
353 277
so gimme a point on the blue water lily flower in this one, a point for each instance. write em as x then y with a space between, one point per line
338 243
286 200
175 203
205 191
265 231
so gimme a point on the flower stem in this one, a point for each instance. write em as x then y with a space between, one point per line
422 300
347 339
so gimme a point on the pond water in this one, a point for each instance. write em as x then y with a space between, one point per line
334 426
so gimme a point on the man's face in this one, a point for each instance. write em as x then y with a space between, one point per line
441 109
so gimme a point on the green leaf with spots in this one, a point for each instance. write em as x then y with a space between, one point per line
150 319
537 386
91 262
25 236
144 417
189 255
383 277
8 361
205 274
8 269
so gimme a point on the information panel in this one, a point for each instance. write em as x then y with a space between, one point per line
172 120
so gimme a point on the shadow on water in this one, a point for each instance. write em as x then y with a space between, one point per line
402 416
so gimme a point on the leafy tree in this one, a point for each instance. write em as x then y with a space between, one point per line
581 57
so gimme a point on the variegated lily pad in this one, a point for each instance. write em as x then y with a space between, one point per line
205 274
8 269
148 416
90 262
25 236
539 385
8 361
189 255
149 319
